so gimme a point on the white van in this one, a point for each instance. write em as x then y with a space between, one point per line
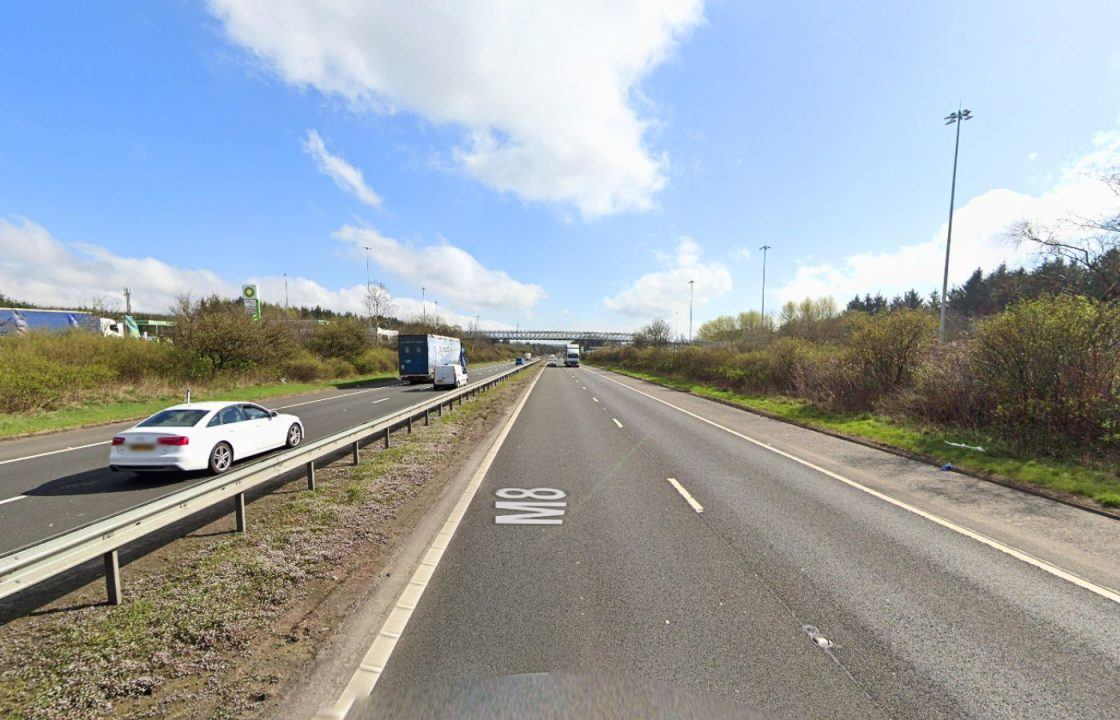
450 376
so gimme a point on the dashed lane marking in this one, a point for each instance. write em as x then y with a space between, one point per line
686 495
1105 592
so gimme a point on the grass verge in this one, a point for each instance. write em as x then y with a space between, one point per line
20 424
1098 484
218 623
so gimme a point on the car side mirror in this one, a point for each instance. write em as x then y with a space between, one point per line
273 413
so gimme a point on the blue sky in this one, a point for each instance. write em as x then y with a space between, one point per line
566 166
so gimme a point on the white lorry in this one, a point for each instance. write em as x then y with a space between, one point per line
571 355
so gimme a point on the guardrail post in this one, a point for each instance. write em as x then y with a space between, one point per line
386 438
440 409
311 475
239 511
354 451
427 422
410 425
113 577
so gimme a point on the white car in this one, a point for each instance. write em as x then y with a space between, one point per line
203 436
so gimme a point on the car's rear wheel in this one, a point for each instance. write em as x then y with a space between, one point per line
221 457
295 436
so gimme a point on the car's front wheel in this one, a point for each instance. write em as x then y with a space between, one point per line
295 436
221 457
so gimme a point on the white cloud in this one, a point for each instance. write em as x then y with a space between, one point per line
448 272
36 267
659 294
740 254
1031 157
345 176
979 235
546 93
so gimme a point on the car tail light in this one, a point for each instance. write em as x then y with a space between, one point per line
174 440
118 440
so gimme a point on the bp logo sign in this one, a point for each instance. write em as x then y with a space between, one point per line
250 300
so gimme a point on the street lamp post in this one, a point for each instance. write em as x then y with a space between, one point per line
368 289
762 313
424 306
957 119
691 287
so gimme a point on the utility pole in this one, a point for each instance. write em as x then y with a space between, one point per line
691 287
285 292
957 119
762 314
128 301
424 305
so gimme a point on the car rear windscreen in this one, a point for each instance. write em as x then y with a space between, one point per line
174 418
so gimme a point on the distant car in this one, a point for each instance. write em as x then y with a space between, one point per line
519 361
552 363
450 376
203 436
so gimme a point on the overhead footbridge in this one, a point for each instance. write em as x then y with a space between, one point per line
584 338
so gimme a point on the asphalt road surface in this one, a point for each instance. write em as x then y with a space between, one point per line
749 577
54 483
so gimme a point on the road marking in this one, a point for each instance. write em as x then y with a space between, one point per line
686 495
547 506
595 398
377 401
279 407
12 499
55 452
616 422
583 386
1101 590
373 664
334 397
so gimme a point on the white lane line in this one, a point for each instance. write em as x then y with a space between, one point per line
595 398
334 397
686 495
12 499
583 386
616 422
377 401
1101 590
54 452
373 664
280 407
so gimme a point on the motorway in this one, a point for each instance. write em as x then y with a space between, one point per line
704 555
54 483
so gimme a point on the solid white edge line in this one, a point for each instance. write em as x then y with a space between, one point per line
1101 590
12 499
55 452
616 422
373 664
106 442
279 407
333 397
686 495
